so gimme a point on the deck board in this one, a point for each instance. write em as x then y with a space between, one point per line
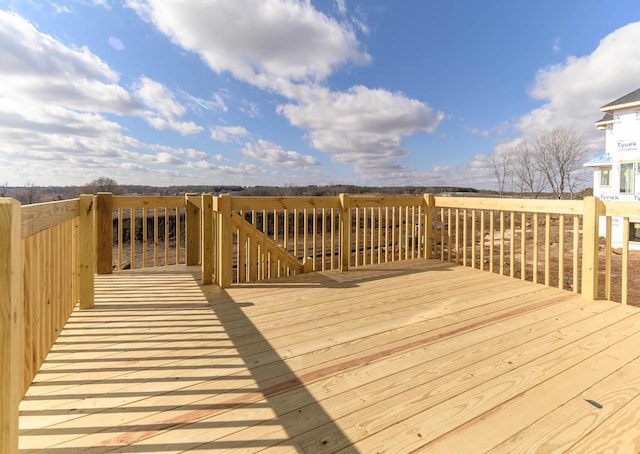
397 357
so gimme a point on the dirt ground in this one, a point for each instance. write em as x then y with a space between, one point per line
554 253
567 276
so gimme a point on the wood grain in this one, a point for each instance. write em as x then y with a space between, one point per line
408 355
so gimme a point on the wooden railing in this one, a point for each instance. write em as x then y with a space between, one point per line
527 239
244 239
259 238
556 243
140 232
49 252
264 237
385 229
614 268
46 268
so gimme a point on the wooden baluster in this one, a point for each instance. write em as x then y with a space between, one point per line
625 261
523 246
576 246
547 249
536 246
492 232
512 249
473 238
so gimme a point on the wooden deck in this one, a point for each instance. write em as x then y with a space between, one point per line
400 357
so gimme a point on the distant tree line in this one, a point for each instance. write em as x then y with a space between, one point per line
334 190
30 193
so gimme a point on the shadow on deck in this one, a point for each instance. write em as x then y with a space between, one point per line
401 356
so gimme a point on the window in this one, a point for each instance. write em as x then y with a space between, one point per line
626 178
634 231
604 177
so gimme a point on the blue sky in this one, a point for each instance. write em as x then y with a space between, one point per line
287 92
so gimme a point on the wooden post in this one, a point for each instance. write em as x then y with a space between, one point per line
590 239
429 221
85 252
10 320
104 233
207 239
307 266
345 232
224 267
192 230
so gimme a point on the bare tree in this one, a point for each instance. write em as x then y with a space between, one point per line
103 184
560 155
500 161
529 178
4 189
30 194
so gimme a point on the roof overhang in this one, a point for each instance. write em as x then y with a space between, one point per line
604 121
625 105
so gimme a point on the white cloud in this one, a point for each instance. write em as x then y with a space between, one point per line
478 132
276 156
34 67
250 109
60 9
52 100
54 106
475 174
159 98
56 129
168 158
165 108
183 127
263 42
574 90
290 48
216 102
188 152
228 133
362 127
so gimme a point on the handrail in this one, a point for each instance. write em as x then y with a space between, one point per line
243 203
54 243
125 201
509 236
526 205
260 257
362 201
621 209
527 238
41 216
554 242
46 268
139 232
306 227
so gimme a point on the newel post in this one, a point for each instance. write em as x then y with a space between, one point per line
345 232
207 239
192 229
104 233
10 323
224 247
429 223
85 251
590 245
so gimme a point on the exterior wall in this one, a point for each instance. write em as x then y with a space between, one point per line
623 145
622 139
